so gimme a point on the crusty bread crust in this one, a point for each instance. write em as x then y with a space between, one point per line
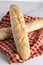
19 32
5 33
34 25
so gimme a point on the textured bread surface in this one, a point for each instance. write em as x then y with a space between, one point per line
34 25
5 33
19 32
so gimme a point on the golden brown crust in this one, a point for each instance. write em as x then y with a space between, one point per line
34 25
5 33
19 32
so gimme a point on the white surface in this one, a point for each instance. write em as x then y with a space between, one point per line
33 9
24 0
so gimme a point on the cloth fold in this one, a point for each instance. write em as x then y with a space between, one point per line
35 38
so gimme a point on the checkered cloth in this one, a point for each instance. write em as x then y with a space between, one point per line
35 39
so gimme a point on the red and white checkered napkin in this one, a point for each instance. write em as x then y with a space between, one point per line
35 39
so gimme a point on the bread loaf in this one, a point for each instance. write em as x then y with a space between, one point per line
19 32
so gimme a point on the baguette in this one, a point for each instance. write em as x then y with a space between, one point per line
5 33
30 26
19 32
34 25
